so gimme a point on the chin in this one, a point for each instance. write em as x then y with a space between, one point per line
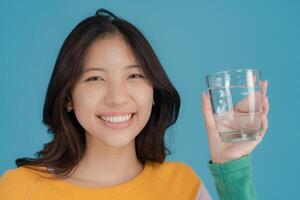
119 144
111 141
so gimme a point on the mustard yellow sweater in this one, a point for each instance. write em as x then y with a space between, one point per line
167 181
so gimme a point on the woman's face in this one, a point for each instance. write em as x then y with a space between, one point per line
112 100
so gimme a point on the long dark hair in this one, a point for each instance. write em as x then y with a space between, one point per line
67 146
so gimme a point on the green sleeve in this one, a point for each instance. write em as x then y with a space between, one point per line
233 179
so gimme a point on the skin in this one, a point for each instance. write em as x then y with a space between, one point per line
223 152
110 156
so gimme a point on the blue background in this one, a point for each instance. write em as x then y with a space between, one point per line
192 39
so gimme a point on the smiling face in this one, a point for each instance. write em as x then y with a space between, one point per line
112 99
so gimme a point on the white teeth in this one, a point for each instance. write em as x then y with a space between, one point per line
116 119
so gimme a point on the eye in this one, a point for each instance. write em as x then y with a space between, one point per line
136 76
94 78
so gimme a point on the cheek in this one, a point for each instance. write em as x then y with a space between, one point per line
143 96
84 101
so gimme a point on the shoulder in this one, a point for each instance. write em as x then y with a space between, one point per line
178 177
173 167
16 183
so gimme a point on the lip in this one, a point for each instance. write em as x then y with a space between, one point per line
118 125
115 113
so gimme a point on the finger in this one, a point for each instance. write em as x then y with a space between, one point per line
207 111
227 125
264 118
264 87
254 79
264 125
243 105
265 106
249 103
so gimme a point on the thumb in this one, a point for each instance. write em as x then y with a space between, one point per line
208 117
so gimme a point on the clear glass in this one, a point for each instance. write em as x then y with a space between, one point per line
236 100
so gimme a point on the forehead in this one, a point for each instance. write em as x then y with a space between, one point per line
109 52
104 69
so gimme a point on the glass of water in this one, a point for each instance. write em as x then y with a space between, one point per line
236 100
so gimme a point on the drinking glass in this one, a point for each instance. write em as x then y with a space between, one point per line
236 100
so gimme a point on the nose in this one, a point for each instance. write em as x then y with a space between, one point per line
116 95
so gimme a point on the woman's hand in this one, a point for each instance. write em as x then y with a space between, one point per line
223 152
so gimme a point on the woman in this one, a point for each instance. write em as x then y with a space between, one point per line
108 105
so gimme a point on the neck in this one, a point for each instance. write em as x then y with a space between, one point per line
104 166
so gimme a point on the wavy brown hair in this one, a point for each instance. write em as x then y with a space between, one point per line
68 143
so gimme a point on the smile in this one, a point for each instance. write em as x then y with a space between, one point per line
117 122
116 119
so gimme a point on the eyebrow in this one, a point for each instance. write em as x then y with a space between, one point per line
104 70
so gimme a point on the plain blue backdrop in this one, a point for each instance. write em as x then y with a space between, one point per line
192 39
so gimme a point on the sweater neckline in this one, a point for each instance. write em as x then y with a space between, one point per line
128 185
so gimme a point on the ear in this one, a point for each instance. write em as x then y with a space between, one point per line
69 102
